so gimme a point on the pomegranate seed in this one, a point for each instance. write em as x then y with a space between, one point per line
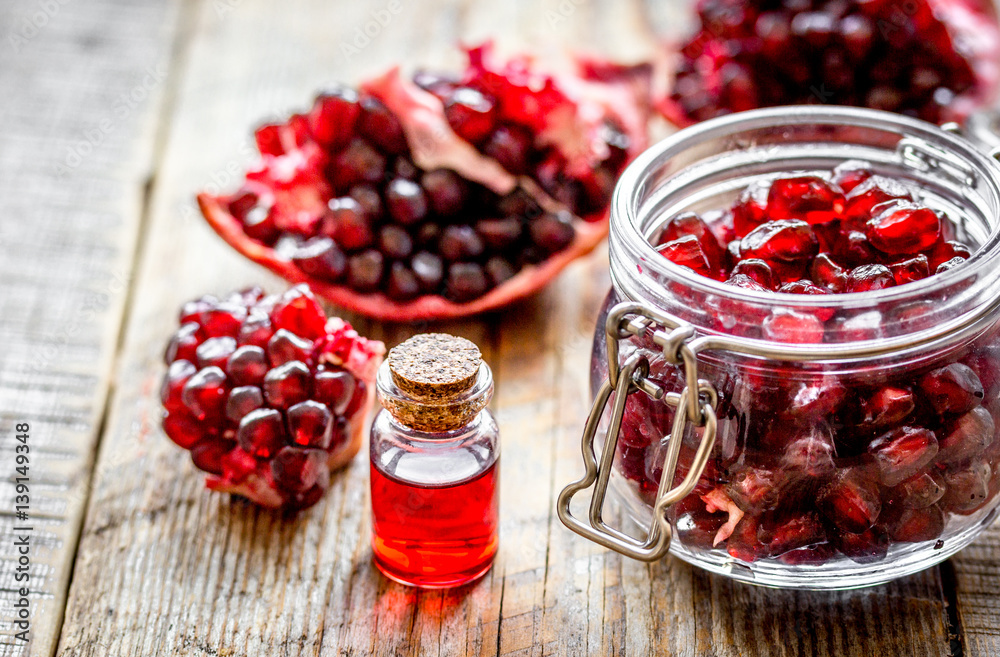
903 227
869 546
848 175
912 269
828 273
357 164
954 388
780 240
182 428
944 252
874 191
967 436
243 400
366 270
811 455
745 282
744 544
868 278
322 258
466 281
950 264
207 454
509 145
553 232
406 201
471 114
460 242
816 400
310 424
903 452
348 224
917 525
381 127
237 465
204 394
759 271
690 223
285 346
807 198
687 252
333 117
184 344
500 234
445 191
215 351
888 406
403 283
298 311
178 374
790 326
262 432
784 534
247 366
298 469
287 384
919 491
967 490
256 330
850 501
750 210
334 388
754 490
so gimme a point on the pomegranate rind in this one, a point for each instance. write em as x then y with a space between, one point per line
528 281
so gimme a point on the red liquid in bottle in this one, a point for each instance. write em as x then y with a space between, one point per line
436 535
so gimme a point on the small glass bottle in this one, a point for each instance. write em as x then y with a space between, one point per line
434 464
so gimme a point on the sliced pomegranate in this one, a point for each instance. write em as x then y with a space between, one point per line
935 59
440 196
269 422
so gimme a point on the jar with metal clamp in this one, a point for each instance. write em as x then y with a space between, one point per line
865 453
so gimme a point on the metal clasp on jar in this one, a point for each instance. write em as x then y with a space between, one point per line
695 404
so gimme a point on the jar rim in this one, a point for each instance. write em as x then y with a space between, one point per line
627 199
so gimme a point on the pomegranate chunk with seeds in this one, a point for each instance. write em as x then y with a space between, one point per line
270 419
431 197
934 59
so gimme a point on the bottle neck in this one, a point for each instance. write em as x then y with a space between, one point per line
438 415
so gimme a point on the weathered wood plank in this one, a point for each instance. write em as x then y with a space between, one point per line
977 594
80 93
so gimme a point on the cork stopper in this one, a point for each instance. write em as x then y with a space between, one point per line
435 365
435 382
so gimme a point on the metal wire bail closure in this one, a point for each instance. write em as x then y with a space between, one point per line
695 404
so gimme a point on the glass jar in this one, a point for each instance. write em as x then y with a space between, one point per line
775 427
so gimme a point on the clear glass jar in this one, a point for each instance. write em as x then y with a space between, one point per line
435 494
771 395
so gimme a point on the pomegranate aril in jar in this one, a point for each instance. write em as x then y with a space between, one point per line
856 410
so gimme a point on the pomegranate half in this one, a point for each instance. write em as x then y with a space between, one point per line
440 196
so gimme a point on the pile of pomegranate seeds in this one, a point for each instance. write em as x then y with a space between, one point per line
850 231
415 198
811 466
934 59
267 393
807 471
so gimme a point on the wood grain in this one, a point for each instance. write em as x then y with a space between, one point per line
166 568
77 145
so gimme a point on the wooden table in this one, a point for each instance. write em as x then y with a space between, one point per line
114 113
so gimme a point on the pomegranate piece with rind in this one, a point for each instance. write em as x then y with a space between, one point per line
270 422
